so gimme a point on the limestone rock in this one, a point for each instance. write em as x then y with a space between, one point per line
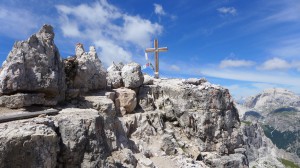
132 75
20 100
148 80
125 100
34 66
83 143
102 104
227 161
125 158
114 76
28 143
147 163
168 144
205 111
85 71
260 150
195 81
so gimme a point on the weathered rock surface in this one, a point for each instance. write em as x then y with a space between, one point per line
34 66
89 75
82 140
132 75
126 100
114 75
148 80
20 100
205 111
260 150
28 143
195 81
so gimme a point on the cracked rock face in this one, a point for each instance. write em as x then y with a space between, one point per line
33 144
114 75
90 74
82 140
132 75
84 72
34 66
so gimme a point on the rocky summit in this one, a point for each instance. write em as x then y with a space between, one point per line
117 117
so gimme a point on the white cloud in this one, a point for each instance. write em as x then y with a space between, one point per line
138 30
287 11
275 64
227 10
158 9
115 52
235 63
114 32
17 23
288 47
253 76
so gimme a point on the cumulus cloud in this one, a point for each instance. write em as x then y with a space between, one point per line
275 64
158 9
227 10
113 32
235 63
12 19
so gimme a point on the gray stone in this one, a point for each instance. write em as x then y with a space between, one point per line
132 75
125 158
34 66
125 100
146 163
83 144
114 79
28 143
20 100
148 80
90 74
195 81
168 145
100 103
114 75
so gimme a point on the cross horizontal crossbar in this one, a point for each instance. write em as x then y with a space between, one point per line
162 49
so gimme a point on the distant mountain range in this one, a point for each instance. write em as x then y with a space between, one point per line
278 112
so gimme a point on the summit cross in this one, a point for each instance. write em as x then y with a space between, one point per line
156 50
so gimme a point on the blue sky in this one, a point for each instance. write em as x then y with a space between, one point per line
246 46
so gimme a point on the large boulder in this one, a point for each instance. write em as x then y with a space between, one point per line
28 143
82 140
84 72
34 66
114 76
132 75
125 100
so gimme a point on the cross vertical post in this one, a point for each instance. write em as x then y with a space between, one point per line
156 50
